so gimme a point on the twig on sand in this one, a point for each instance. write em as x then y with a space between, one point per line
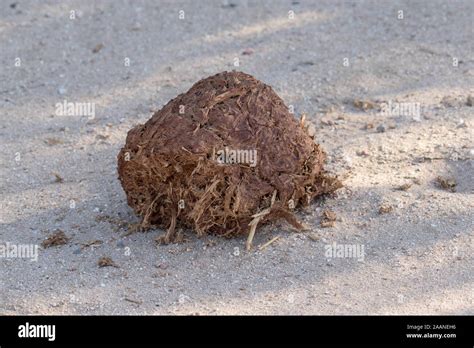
106 261
263 246
256 219
253 226
133 301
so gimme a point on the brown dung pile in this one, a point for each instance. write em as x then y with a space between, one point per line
221 158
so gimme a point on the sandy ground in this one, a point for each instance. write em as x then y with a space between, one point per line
418 256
